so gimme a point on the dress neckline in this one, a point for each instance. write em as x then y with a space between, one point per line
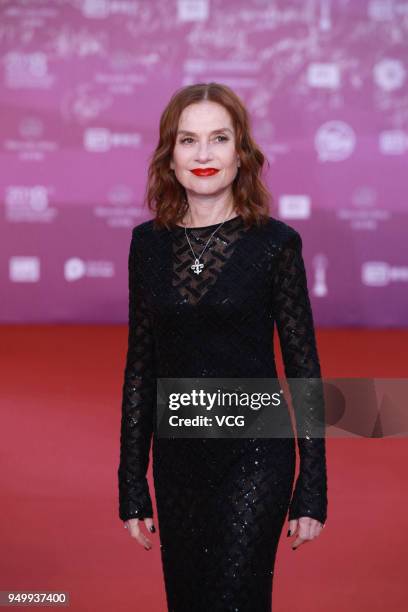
208 226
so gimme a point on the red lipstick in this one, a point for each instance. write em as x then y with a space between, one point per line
204 171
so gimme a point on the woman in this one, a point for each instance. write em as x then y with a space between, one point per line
208 277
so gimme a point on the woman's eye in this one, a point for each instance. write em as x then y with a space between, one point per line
223 139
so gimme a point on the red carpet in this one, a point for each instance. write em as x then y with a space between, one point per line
60 415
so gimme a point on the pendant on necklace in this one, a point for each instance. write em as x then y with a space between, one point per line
197 266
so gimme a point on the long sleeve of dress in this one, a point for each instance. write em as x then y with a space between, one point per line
138 398
294 321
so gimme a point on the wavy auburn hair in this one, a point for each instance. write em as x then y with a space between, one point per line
166 197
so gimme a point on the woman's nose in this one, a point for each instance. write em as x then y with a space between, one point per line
204 152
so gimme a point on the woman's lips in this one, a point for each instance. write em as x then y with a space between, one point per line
204 171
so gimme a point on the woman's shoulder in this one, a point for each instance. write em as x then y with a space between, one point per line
143 228
143 233
281 233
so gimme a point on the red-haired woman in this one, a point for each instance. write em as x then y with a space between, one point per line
209 276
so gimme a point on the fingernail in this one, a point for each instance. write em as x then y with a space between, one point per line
288 534
152 529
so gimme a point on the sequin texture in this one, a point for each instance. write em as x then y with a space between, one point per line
221 503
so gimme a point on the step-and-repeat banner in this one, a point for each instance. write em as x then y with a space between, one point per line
82 87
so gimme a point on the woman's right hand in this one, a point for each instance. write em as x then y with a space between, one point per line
133 526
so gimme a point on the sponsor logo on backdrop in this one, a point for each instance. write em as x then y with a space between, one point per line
193 10
389 74
100 140
99 9
319 265
29 145
325 76
24 269
363 213
120 211
76 268
83 104
80 43
380 273
380 10
27 70
31 127
393 142
242 73
267 135
28 204
335 141
294 206
385 10
122 73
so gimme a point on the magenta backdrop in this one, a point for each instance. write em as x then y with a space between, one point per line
83 84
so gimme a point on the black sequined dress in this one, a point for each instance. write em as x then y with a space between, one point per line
221 503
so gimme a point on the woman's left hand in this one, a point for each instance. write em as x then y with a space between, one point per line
306 529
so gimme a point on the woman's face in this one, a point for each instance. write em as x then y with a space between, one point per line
205 139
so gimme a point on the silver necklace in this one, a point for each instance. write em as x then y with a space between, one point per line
198 267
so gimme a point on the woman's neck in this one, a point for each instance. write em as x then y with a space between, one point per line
194 220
